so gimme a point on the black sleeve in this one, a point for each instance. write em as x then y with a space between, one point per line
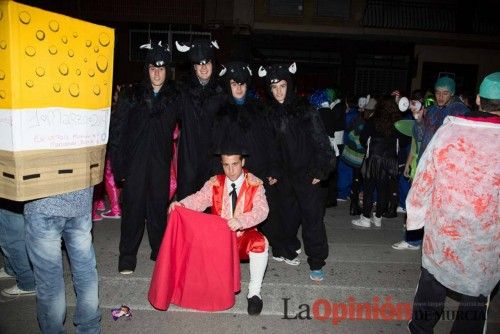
118 124
323 161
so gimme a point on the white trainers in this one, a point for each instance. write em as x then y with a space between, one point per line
403 245
4 275
377 222
126 272
400 210
362 221
293 262
14 291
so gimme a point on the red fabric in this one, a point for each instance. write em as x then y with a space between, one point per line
173 164
490 119
198 265
218 193
250 241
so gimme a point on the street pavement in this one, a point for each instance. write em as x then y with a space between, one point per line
362 272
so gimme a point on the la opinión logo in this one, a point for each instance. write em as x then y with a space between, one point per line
323 309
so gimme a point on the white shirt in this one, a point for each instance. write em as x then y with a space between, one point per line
238 183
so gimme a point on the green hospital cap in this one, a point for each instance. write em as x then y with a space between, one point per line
490 87
446 82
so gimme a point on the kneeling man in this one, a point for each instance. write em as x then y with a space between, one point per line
239 198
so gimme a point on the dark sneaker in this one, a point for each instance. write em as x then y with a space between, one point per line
254 305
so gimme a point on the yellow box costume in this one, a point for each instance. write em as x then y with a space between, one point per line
56 77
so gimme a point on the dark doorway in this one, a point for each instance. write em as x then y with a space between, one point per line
465 75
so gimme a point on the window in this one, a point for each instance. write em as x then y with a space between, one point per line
285 7
334 8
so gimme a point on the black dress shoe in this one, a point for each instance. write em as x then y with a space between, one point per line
254 305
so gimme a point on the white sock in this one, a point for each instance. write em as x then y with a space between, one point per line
258 265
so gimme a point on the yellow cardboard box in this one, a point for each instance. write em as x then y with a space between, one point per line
55 100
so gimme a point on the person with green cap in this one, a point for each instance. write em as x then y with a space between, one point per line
456 195
447 104
426 125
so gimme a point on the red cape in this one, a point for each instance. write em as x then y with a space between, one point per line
198 265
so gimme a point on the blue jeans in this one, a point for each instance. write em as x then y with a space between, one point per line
43 239
344 181
13 244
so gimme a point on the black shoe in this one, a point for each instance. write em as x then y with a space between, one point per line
254 305
127 264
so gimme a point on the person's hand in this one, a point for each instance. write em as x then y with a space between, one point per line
271 180
315 181
406 172
173 205
234 224
416 110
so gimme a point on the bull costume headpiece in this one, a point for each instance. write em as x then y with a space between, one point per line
200 51
276 73
238 71
158 55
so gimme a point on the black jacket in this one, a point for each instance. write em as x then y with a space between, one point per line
141 132
333 119
381 160
248 126
197 108
303 144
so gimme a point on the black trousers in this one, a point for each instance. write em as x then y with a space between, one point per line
145 203
382 186
272 227
301 202
428 308
330 184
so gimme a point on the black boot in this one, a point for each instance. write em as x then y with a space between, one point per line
254 305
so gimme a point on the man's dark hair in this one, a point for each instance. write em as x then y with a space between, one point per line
490 105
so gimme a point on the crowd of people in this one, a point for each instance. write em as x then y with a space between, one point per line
267 165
